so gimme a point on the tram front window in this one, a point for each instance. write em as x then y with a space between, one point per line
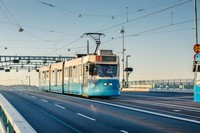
106 70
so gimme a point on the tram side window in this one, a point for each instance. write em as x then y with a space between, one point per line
80 70
74 71
66 72
52 76
43 74
86 68
55 76
58 76
40 74
47 74
70 71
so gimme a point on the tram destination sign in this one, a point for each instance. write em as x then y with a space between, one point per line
106 58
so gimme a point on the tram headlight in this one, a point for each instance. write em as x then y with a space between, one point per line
92 85
105 84
110 83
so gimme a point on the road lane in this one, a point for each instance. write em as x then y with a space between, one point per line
33 111
106 115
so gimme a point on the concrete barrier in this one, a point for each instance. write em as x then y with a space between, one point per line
172 90
135 89
143 88
14 118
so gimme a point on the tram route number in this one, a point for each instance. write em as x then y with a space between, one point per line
98 58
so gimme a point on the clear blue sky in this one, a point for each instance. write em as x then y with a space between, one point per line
159 34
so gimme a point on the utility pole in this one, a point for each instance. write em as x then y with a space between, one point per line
196 64
195 22
88 52
122 32
127 73
22 84
29 81
196 35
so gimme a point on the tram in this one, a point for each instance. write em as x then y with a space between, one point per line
85 75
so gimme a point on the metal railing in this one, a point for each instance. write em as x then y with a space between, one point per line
166 84
10 119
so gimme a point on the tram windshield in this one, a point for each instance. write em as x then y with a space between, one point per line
105 70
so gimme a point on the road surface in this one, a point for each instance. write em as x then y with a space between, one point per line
129 113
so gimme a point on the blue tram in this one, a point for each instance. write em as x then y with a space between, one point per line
87 75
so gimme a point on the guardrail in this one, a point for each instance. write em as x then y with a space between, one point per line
165 84
11 120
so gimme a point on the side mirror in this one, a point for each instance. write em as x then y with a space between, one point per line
86 68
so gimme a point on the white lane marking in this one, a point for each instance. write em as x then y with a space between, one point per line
165 104
176 110
44 100
86 116
33 96
172 112
123 131
166 98
60 106
143 111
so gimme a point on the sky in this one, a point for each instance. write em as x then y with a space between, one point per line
159 34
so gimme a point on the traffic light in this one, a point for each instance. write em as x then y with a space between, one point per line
128 69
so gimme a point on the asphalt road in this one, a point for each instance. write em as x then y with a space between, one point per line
129 113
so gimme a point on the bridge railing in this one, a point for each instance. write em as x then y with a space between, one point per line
165 84
11 120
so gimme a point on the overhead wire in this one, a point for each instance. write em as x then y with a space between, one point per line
41 29
150 30
161 27
51 5
64 46
144 16
139 33
72 12
6 15
144 9
13 18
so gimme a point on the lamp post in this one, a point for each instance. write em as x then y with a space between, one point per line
127 74
22 84
196 36
29 81
122 32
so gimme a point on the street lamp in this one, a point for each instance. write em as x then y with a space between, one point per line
20 29
127 67
22 84
122 32
29 81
